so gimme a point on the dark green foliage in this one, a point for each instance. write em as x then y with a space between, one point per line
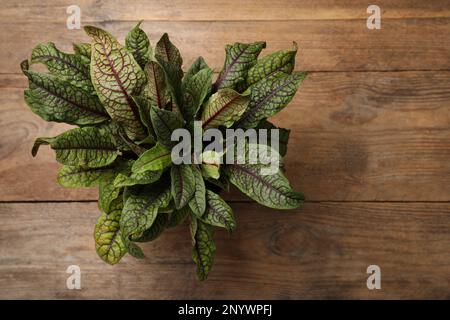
126 101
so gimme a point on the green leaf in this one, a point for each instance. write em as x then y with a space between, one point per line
204 249
83 50
138 150
108 239
156 87
183 184
268 97
56 100
116 77
167 209
198 202
83 177
193 228
156 228
154 159
144 106
274 65
282 133
211 164
87 146
210 171
166 51
164 123
133 249
37 144
178 216
173 76
223 109
129 178
271 191
141 208
263 154
138 44
108 192
120 139
146 177
196 88
69 67
218 213
196 66
239 58
221 183
169 58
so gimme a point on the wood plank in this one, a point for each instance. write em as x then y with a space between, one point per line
326 45
320 251
207 10
355 137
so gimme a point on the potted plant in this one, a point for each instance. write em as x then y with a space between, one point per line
127 101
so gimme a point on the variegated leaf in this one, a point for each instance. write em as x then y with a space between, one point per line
211 164
165 122
204 248
166 50
86 146
196 88
128 178
155 89
271 191
218 213
198 202
178 216
83 177
154 159
107 192
138 44
223 109
183 184
155 229
268 97
196 66
144 107
108 239
275 64
69 67
283 135
239 58
56 100
116 77
141 207
83 50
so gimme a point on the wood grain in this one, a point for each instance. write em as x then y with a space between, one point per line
369 148
379 136
320 251
207 10
325 45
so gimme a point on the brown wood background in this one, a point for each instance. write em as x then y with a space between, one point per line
370 148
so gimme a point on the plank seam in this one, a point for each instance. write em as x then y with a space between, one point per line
236 201
317 71
105 21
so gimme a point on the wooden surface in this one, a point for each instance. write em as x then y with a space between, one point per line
320 251
370 148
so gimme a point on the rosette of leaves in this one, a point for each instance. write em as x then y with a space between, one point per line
125 101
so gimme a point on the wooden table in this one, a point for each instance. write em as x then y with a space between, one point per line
370 149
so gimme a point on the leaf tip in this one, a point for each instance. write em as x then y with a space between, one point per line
92 31
24 66
299 199
37 144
